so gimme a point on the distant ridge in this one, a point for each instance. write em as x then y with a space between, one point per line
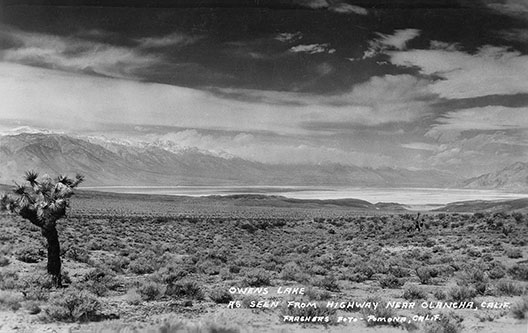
511 178
111 163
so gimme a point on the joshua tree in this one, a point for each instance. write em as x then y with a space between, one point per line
43 202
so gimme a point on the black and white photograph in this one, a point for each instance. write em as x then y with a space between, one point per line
249 166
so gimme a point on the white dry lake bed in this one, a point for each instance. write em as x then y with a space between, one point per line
415 198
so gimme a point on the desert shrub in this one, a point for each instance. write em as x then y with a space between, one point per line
32 293
9 279
473 252
169 274
439 294
118 264
520 309
425 274
508 288
315 294
73 305
150 291
133 297
519 272
450 323
141 265
390 281
4 261
78 254
234 269
382 312
328 282
30 254
10 300
497 272
290 271
461 294
474 275
514 253
99 281
257 278
399 272
430 242
188 289
32 307
361 273
518 217
220 296
40 280
413 292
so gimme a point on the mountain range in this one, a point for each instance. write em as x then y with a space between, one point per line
512 178
106 162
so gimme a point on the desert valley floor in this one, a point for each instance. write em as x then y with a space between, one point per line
139 263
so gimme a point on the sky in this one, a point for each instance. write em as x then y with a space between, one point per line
376 83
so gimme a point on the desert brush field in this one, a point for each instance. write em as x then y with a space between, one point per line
139 263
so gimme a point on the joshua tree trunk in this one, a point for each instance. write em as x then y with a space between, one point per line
54 262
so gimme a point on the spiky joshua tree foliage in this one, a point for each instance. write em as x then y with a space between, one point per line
43 201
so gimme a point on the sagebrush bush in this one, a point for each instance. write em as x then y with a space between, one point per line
514 253
315 294
30 254
414 292
291 271
257 278
4 261
508 288
99 281
382 312
450 323
425 274
220 296
141 265
73 305
32 307
77 254
9 280
11 300
133 297
520 309
390 281
150 291
461 294
187 289
519 272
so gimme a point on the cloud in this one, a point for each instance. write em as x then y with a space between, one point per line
289 37
380 100
345 8
487 118
174 39
312 49
314 4
396 41
71 100
439 45
74 54
332 5
265 150
515 8
421 146
490 71
520 35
